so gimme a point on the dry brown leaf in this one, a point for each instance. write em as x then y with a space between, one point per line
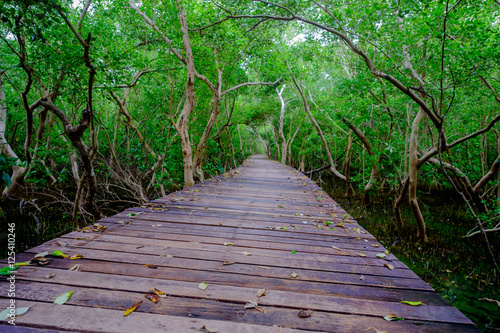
151 266
132 308
262 292
207 329
152 297
305 313
254 305
75 268
391 267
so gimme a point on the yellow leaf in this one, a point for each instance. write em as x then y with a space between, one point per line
361 254
132 308
158 292
412 303
76 256
294 275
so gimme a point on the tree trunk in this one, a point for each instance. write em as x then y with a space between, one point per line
280 131
412 174
183 121
18 172
320 132
347 169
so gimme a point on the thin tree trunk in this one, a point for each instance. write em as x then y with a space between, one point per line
280 131
320 132
413 181
347 169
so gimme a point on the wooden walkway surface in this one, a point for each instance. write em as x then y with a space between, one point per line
287 236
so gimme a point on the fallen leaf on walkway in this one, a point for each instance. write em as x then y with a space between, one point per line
75 268
207 329
375 245
296 227
76 256
62 243
228 262
58 253
284 228
132 308
340 225
41 255
336 248
254 305
381 255
42 261
131 215
361 254
305 313
7 314
264 267
299 214
491 300
293 252
49 276
376 330
294 275
412 303
361 277
202 286
246 253
262 292
151 266
152 297
158 292
61 299
392 317
391 267
228 244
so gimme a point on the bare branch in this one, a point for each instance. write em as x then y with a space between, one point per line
250 84
82 15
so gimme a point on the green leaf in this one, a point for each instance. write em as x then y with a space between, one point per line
411 303
58 253
61 299
7 269
293 252
7 314
381 255
6 178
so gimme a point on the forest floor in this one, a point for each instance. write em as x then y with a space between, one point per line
456 267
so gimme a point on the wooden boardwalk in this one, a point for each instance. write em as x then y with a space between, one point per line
287 236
